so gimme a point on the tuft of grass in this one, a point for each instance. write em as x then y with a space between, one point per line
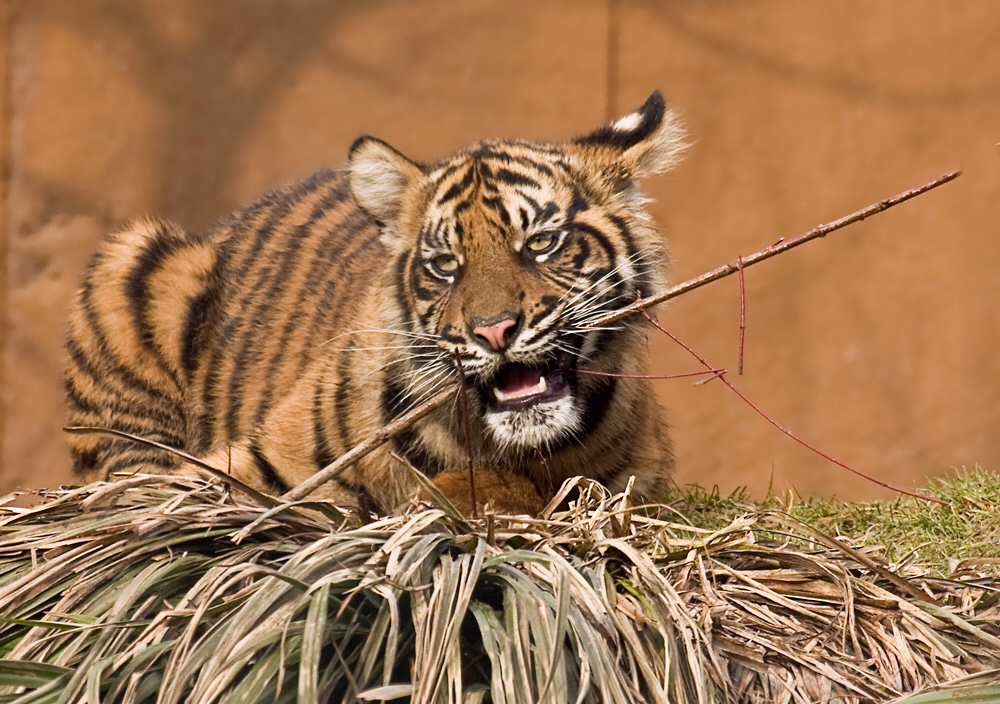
907 533
169 590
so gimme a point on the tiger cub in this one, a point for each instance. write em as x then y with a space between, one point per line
304 322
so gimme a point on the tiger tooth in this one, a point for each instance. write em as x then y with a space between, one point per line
540 388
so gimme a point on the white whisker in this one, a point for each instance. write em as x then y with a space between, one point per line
389 331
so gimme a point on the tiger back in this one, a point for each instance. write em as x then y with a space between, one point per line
301 324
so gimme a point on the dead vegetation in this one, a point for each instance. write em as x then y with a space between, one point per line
152 590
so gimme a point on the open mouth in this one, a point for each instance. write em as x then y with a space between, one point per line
518 386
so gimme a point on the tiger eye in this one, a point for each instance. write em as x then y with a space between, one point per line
445 263
542 242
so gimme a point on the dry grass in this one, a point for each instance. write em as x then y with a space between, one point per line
146 590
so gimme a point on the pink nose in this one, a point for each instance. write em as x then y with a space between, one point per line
495 333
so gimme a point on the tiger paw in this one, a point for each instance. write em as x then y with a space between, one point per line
496 491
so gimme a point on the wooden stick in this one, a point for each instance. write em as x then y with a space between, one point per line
774 250
361 449
463 409
782 245
743 315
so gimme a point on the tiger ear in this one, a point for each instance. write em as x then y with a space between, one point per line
379 177
644 142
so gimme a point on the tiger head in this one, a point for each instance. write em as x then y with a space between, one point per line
502 256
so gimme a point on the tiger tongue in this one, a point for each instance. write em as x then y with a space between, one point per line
519 381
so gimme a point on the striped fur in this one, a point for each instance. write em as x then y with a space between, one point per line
299 325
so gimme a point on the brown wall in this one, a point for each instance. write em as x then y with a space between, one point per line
879 343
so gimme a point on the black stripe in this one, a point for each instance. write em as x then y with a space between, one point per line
484 169
284 201
399 278
457 189
438 237
549 304
581 257
328 311
407 445
497 205
447 336
531 163
548 212
394 401
268 471
536 208
276 277
650 117
85 461
578 205
597 403
606 244
418 275
323 454
161 245
340 395
449 170
317 267
198 315
116 367
642 279
625 232
510 178
117 406
240 227
462 206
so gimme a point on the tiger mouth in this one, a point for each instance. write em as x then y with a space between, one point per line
517 386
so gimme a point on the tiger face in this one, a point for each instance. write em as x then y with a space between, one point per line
506 252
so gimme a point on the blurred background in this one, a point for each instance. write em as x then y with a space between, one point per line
879 344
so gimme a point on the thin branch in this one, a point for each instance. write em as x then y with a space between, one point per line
463 409
376 439
743 315
403 422
230 480
650 376
773 250
789 433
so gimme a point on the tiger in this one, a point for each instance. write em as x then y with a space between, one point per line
273 342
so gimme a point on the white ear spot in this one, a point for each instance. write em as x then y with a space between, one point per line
628 123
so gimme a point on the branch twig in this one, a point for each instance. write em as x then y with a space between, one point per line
743 315
387 432
773 250
786 431
463 409
361 449
782 245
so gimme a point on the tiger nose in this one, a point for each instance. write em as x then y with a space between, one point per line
499 333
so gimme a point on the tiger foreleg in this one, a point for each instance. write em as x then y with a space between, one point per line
495 490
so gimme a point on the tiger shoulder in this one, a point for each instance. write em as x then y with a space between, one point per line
299 325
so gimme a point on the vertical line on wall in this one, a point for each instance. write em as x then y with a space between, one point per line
611 76
6 118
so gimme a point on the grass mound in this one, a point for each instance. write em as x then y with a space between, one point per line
157 590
